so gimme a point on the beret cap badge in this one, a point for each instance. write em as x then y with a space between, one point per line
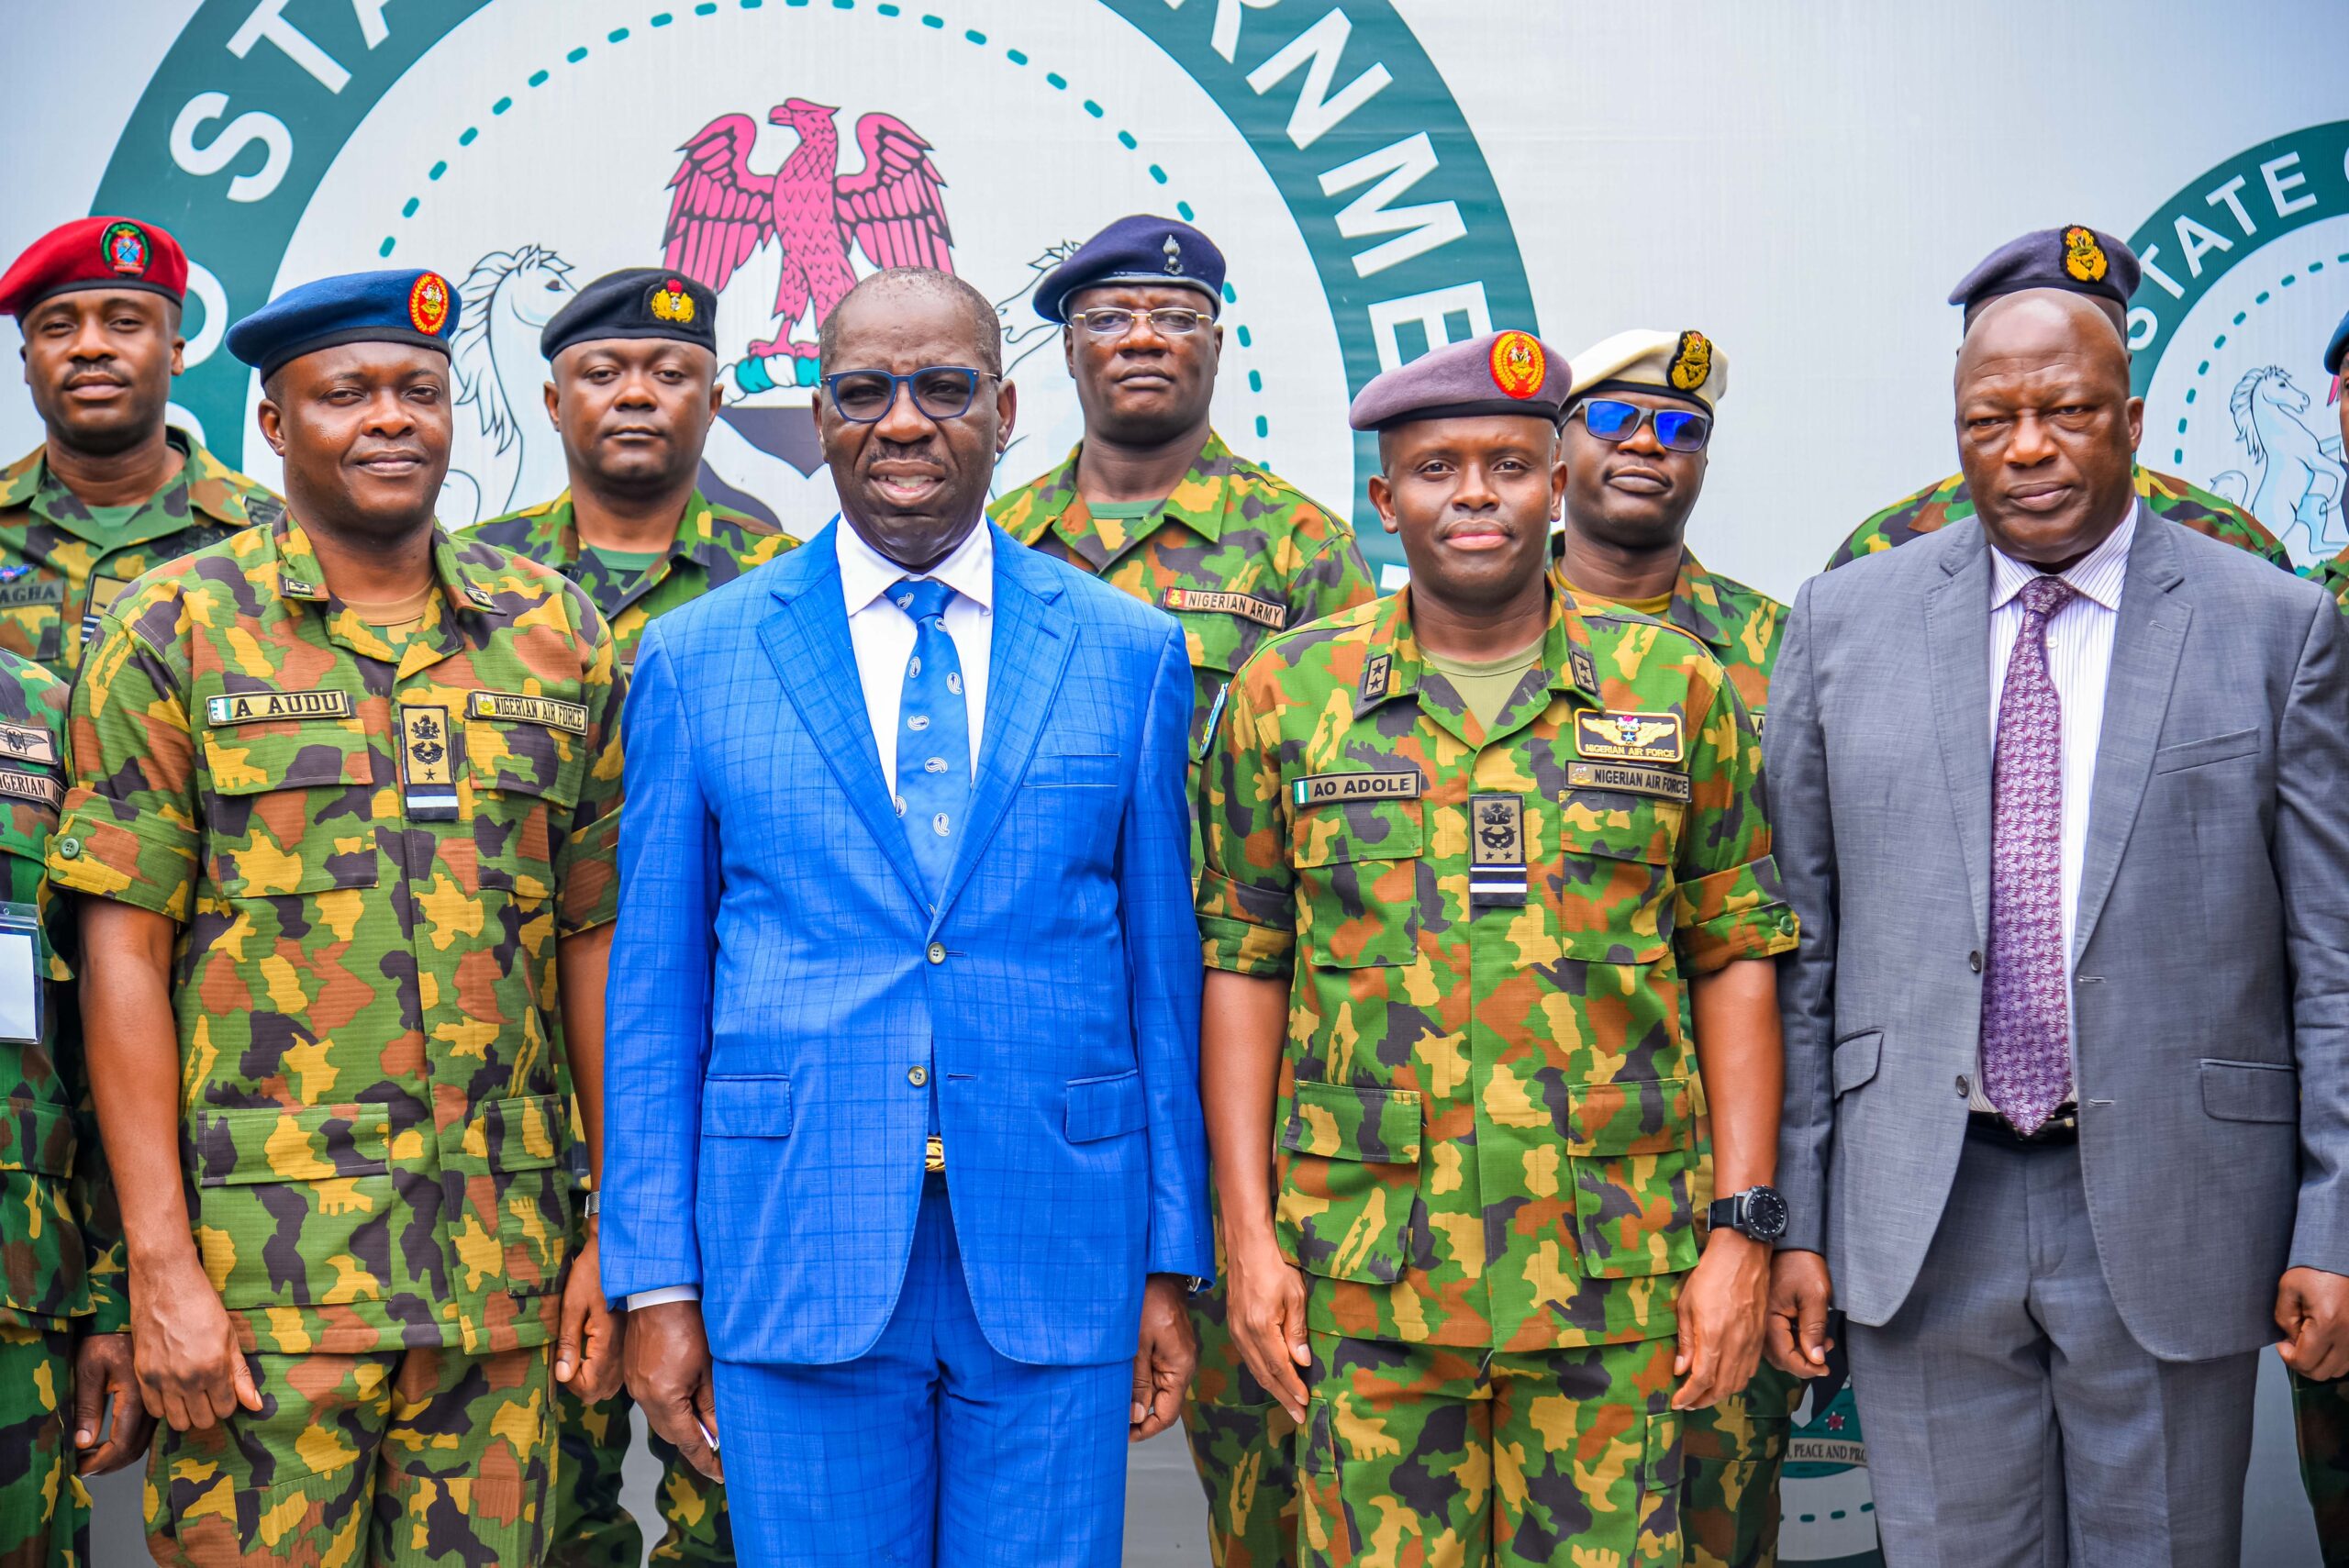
427 303
124 247
670 302
1692 361
1174 250
1517 367
2084 258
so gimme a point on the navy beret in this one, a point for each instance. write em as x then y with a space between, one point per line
2076 259
2336 353
636 301
1137 250
1501 372
402 306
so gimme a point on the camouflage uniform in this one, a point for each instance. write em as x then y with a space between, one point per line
1236 555
60 1256
372 855
1937 506
1486 1113
590 1528
1733 1450
59 566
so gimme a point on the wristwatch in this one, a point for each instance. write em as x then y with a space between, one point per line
1757 1212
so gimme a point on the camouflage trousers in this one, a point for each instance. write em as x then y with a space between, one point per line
406 1459
591 1530
1729 1490
44 1512
2321 1412
1431 1454
1242 1444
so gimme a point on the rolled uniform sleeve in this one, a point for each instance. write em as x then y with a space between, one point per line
587 867
1729 905
128 832
1247 904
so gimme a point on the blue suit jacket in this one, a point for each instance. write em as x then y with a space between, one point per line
778 976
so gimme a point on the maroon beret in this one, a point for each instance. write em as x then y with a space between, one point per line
1501 372
96 253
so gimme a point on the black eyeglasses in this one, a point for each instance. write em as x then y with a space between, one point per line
1676 429
940 391
1167 321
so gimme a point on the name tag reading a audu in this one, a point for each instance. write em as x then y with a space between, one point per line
1329 789
20 973
260 706
548 713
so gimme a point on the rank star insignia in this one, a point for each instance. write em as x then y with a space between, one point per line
1517 365
2084 258
124 246
672 303
427 303
1692 361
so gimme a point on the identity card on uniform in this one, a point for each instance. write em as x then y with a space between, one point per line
20 971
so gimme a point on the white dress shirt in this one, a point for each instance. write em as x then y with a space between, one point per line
2079 658
882 637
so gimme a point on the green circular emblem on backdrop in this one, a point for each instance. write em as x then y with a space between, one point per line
2247 275
521 147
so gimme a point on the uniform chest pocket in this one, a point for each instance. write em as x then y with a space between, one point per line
524 776
1608 881
292 810
32 616
1630 1145
1362 877
1349 1180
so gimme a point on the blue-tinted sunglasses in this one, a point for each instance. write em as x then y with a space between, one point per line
1676 429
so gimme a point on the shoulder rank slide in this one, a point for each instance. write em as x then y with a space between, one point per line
427 769
1497 873
27 743
1629 778
1247 607
1376 673
1331 789
1628 737
550 713
266 706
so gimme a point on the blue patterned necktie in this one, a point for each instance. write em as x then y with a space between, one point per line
933 733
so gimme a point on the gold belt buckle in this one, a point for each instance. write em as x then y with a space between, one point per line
933 1154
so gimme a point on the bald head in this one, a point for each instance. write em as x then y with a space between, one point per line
895 284
2046 429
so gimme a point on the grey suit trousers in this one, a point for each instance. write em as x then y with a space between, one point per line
2013 1421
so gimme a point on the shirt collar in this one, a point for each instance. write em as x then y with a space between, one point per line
2097 576
867 573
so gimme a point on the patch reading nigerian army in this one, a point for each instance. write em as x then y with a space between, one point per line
1328 789
1247 607
1629 778
40 788
1628 737
255 707
27 743
548 713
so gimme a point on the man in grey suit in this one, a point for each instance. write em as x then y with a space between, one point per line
2067 1132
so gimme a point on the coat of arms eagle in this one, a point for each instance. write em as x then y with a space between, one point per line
722 211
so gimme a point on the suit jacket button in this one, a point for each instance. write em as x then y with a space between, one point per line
1973 962
917 1075
1965 1088
937 953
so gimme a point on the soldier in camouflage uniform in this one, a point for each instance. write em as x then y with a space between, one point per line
1628 496
1450 904
634 365
112 491
345 803
1153 502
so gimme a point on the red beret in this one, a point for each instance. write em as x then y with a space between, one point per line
96 252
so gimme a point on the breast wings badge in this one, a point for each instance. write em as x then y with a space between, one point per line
1630 737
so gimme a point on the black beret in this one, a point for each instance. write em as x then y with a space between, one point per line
2076 259
1137 250
636 301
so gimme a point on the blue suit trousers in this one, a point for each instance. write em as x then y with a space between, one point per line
931 1448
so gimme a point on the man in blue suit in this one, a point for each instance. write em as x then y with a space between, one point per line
907 1171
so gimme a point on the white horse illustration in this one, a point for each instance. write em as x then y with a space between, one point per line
2296 479
506 454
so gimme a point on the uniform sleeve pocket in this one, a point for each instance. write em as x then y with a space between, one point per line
746 1108
1349 1180
1854 1062
2251 1091
2202 754
1076 770
295 1205
1630 1147
1105 1107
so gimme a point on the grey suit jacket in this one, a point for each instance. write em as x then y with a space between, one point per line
2210 992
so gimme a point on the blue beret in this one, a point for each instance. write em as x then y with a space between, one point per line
403 306
638 302
1137 250
1501 372
2076 259
2336 353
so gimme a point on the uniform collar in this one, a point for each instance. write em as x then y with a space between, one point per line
465 587
1696 608
28 480
555 528
1201 502
1393 667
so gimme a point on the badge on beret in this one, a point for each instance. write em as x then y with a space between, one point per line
427 303
670 302
124 246
1173 257
1692 361
1517 368
2084 258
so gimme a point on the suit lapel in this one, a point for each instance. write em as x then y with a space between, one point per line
2146 643
1957 643
1033 635
806 639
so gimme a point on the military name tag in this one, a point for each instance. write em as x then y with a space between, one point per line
1628 778
1628 737
28 592
549 713
27 743
1247 607
1495 850
40 788
254 707
1328 789
426 768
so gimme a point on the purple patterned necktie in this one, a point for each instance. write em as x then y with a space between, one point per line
2026 1067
